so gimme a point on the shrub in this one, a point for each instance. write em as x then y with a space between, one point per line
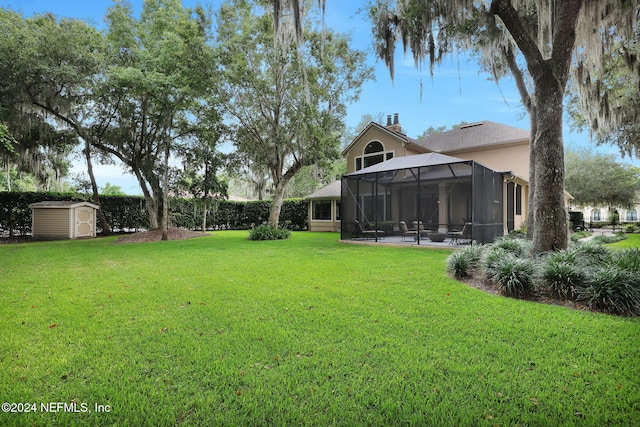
562 278
515 245
490 258
612 290
610 239
592 252
579 235
627 259
514 276
630 228
462 262
267 232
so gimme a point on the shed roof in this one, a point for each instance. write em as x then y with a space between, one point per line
62 204
331 191
474 135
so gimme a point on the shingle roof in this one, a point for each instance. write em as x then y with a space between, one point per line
331 191
473 135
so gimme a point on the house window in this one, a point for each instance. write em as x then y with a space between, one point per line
632 215
518 200
595 215
321 210
373 147
373 154
337 210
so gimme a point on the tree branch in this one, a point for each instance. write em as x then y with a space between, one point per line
527 45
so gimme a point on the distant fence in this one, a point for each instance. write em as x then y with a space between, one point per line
129 213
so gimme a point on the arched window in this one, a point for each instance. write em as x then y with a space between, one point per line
372 154
595 215
373 147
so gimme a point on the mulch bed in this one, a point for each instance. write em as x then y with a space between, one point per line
156 235
479 283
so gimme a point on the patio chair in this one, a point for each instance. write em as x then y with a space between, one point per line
406 232
418 227
458 237
367 233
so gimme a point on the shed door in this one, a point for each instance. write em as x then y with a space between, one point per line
85 226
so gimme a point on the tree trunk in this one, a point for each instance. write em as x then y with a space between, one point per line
278 197
549 215
550 231
150 202
204 214
106 228
531 225
165 200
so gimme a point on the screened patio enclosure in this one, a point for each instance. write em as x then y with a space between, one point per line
438 192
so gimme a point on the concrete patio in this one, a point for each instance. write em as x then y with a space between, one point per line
398 240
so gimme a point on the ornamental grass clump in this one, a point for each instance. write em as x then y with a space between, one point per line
627 259
514 277
267 232
462 263
518 246
591 253
610 239
563 279
612 290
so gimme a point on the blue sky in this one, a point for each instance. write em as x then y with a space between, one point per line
457 91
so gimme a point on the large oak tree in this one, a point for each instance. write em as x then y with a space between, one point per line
287 100
547 36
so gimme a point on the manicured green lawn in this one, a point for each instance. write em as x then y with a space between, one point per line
224 331
632 241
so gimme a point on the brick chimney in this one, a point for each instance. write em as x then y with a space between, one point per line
395 127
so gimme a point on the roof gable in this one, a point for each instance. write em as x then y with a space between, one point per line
372 127
331 191
474 135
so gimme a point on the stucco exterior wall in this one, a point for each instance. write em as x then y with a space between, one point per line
513 158
390 142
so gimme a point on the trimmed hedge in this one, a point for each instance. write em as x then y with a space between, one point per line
129 213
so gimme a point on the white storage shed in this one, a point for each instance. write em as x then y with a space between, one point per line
53 220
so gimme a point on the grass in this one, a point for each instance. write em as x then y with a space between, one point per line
632 241
307 331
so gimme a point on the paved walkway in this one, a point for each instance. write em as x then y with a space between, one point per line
601 232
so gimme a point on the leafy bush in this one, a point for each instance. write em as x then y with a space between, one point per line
267 232
630 228
612 290
563 279
513 244
515 277
627 259
579 235
130 212
610 239
591 252
462 262
490 258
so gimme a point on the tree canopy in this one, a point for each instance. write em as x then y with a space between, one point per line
535 41
598 180
286 101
